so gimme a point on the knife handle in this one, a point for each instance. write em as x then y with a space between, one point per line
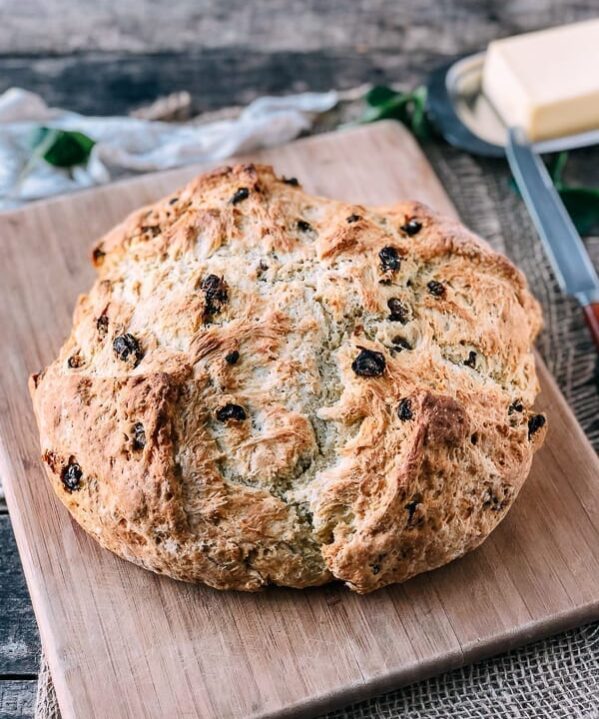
591 315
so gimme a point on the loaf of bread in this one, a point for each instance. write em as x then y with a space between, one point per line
265 387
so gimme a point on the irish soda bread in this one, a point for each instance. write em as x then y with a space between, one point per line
268 387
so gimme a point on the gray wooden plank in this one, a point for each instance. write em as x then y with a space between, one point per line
111 58
114 82
19 638
62 26
17 698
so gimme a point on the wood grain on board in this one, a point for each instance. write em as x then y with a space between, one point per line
123 642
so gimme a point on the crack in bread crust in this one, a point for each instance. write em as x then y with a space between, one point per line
268 387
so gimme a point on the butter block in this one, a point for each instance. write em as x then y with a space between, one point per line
546 82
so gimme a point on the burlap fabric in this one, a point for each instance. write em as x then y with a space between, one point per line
557 678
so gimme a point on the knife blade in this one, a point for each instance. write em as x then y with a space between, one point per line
564 248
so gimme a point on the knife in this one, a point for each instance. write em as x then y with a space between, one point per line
564 248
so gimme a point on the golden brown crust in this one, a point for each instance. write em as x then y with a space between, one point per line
267 387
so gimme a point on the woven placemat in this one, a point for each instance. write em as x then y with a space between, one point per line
557 678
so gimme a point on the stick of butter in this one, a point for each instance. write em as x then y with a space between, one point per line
546 82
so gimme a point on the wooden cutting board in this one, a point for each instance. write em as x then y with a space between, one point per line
123 642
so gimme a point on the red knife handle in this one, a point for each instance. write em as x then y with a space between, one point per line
591 315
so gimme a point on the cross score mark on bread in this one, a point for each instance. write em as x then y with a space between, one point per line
268 387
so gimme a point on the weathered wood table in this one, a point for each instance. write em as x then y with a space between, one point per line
107 58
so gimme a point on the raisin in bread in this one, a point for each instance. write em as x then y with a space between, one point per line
268 387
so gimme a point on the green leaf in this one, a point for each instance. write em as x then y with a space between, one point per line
582 204
556 166
379 94
407 107
62 148
394 108
419 123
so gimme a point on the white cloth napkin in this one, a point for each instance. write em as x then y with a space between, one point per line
126 145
